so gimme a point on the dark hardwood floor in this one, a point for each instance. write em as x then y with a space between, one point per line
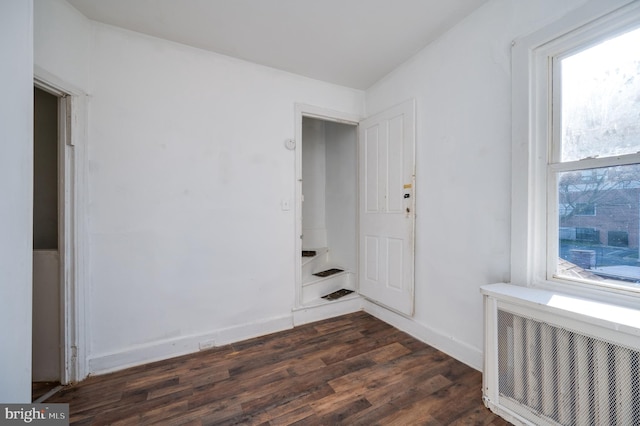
352 370
40 389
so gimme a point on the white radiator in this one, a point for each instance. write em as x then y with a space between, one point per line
552 359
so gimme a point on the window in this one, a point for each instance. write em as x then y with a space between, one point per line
595 112
618 238
576 131
570 209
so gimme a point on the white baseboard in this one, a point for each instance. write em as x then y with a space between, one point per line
463 352
160 350
325 310
169 348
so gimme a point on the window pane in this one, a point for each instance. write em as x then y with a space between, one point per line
601 99
599 213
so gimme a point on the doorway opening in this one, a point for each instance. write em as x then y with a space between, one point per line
46 316
329 202
355 210
58 332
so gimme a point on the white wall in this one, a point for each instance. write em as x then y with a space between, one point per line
341 194
188 170
462 85
61 42
314 172
16 176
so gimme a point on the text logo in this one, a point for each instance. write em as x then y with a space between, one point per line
38 414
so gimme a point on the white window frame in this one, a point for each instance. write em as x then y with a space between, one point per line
534 244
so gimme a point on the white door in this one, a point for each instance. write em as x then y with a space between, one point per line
386 207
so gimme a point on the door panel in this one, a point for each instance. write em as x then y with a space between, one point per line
371 148
386 213
371 258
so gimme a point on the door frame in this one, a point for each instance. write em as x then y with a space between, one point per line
324 114
72 236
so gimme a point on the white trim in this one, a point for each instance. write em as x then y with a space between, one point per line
531 129
326 114
66 247
463 352
609 317
307 314
489 382
595 163
72 109
54 85
169 348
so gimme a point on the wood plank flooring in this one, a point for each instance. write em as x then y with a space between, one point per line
351 370
39 389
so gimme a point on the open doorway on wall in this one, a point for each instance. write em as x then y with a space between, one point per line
355 210
47 294
59 237
329 210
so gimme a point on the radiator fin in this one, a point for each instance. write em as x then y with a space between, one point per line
565 376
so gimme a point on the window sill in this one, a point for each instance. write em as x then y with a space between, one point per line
614 295
604 314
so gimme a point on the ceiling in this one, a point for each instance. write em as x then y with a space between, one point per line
352 43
